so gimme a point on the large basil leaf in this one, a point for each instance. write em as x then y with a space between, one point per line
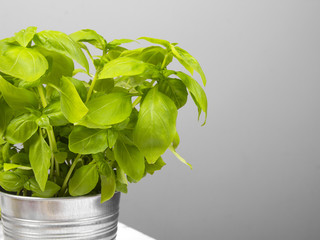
11 181
124 66
21 128
197 93
130 159
24 63
90 36
39 156
108 181
61 43
50 190
25 36
109 109
156 125
17 98
176 90
71 104
84 180
88 141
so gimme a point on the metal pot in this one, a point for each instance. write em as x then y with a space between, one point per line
29 218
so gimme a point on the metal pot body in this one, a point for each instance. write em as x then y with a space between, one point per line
29 218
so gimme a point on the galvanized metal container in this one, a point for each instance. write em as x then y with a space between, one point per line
29 218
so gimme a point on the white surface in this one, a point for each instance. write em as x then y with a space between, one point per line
124 233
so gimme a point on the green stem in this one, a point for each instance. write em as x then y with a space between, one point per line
42 97
92 86
66 180
52 139
164 61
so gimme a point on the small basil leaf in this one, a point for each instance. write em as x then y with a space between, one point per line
71 104
5 116
130 159
9 166
197 93
21 128
105 110
55 115
50 190
84 180
25 36
40 155
108 181
124 66
17 98
174 89
88 141
151 168
11 181
90 36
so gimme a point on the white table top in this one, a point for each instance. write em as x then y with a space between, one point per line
124 233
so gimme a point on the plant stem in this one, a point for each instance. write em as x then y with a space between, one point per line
164 61
42 97
92 86
52 139
66 180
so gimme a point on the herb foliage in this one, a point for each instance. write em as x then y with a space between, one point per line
61 136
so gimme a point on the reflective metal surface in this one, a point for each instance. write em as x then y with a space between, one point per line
78 218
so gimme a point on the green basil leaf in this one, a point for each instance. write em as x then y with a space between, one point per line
5 116
59 65
186 59
112 137
11 181
156 125
81 88
124 66
25 36
179 157
130 159
155 55
72 106
105 110
88 141
84 180
17 98
20 158
197 93
55 115
164 43
39 156
151 168
61 43
89 36
9 166
176 140
61 157
108 181
50 190
21 128
104 85
24 63
176 90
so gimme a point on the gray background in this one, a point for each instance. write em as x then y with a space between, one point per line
256 162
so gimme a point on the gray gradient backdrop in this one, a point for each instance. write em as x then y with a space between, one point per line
256 163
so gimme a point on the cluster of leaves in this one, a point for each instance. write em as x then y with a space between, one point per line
61 136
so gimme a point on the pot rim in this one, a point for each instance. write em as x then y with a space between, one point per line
26 198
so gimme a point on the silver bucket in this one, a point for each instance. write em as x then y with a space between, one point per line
25 218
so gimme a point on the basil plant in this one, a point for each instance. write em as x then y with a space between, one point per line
67 130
